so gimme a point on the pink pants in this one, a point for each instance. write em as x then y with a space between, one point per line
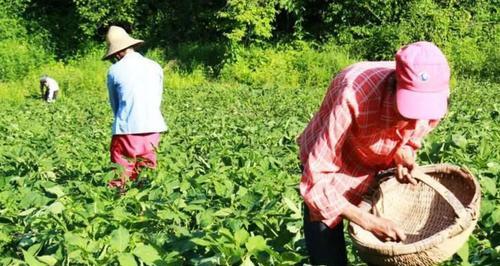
133 152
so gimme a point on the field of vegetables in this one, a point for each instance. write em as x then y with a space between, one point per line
225 191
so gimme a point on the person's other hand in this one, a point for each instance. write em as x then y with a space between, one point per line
405 163
385 229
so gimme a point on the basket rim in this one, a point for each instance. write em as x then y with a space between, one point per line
394 248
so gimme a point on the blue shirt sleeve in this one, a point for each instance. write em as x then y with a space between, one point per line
113 98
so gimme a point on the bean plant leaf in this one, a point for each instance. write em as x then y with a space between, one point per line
147 254
459 140
56 190
4 237
119 239
241 236
223 212
489 185
256 243
487 206
74 240
34 249
126 259
56 207
49 260
31 260
496 216
291 257
463 253
247 262
27 212
291 205
493 167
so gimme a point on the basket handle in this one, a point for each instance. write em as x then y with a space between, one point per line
457 206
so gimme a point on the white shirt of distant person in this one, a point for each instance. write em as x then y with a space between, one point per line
48 88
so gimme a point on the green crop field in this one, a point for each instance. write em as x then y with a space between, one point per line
242 80
225 191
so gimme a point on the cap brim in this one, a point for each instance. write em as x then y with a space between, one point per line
422 105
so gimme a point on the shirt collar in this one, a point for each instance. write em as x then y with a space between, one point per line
132 54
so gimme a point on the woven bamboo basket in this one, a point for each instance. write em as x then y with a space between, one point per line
437 215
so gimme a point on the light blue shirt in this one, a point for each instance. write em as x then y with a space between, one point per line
135 86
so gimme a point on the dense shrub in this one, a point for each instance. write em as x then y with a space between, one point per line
289 66
468 31
20 52
18 59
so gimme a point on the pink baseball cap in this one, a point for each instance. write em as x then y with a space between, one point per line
422 81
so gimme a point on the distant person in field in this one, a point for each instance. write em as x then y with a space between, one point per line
373 117
48 88
135 86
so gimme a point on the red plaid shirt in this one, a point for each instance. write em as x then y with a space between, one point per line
354 135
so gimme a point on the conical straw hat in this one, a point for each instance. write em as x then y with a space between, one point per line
117 40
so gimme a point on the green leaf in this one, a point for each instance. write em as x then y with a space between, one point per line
147 253
27 212
220 188
30 259
459 140
463 253
291 258
256 243
121 214
487 206
127 259
74 240
34 249
291 205
225 233
4 237
241 236
489 185
496 216
56 190
49 260
224 212
293 227
119 239
247 262
51 175
493 167
184 186
56 207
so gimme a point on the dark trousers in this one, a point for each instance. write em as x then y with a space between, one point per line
326 246
46 95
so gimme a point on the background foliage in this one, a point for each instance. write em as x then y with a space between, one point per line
468 31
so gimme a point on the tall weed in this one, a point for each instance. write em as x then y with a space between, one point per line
289 66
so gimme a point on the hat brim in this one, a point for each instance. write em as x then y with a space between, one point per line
113 49
422 105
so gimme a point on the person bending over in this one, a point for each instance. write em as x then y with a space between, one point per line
373 117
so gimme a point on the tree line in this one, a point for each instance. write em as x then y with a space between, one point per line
373 29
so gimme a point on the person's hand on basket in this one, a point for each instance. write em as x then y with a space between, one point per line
405 165
382 228
385 230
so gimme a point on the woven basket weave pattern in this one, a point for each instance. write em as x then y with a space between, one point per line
433 230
